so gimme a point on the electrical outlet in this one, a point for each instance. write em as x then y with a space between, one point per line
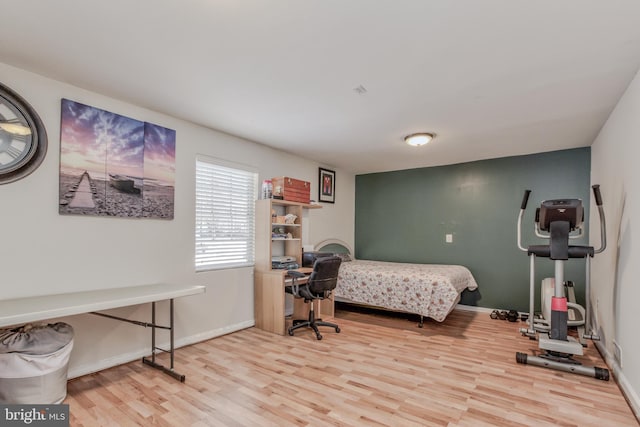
617 353
448 238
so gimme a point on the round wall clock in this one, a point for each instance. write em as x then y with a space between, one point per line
23 139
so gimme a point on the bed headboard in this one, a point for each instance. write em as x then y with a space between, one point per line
335 246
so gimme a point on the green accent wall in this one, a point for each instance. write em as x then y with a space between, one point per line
403 216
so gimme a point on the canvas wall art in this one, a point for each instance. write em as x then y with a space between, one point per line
112 165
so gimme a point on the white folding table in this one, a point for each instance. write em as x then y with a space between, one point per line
32 309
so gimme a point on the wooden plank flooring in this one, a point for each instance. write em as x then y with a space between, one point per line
381 370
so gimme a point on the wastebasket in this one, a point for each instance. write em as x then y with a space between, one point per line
33 363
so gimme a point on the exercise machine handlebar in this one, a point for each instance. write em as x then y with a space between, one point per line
596 194
523 207
603 229
525 199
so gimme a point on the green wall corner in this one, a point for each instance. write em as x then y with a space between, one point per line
403 216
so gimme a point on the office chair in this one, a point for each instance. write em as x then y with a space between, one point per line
321 282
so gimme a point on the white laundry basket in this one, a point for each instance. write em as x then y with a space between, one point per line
34 362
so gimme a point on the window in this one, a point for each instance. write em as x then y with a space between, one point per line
225 215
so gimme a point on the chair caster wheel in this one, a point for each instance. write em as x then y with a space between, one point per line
290 332
319 337
337 330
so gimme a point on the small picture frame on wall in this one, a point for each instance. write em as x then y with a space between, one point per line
327 186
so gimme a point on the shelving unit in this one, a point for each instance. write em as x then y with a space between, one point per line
266 245
269 283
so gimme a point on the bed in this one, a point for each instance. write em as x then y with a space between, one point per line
430 290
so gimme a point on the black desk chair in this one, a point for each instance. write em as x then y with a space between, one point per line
321 282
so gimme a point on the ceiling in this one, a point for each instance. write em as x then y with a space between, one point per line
491 78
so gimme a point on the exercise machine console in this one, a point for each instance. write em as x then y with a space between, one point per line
559 221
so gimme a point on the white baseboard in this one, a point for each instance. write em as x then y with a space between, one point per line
476 309
628 391
473 308
100 365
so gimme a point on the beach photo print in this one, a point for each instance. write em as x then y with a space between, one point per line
112 165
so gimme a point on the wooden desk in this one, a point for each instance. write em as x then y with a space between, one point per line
34 309
269 301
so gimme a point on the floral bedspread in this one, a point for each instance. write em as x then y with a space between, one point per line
429 289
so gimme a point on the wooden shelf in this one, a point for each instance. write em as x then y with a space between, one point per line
288 203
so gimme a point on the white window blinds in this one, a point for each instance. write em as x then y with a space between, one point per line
225 215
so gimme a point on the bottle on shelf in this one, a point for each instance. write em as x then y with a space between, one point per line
267 189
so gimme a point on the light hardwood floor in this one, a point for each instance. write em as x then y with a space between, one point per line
381 370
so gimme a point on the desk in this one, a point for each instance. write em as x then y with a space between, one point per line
269 301
33 309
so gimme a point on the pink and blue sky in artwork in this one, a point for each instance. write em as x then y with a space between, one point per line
159 154
104 143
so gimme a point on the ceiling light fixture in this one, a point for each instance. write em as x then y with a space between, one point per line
418 139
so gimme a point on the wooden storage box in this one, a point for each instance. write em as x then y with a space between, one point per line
291 189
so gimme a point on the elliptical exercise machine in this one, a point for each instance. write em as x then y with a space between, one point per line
560 220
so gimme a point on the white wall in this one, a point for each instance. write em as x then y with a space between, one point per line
616 272
42 252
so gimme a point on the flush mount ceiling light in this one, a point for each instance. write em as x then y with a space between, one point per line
418 139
